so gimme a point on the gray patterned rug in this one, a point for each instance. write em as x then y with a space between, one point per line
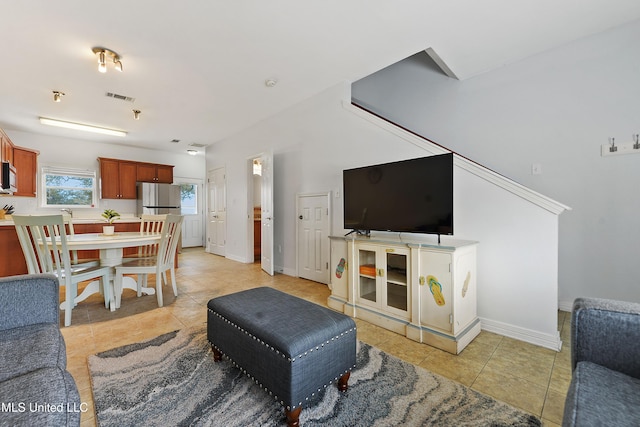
172 380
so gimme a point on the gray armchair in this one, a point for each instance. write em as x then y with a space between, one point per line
35 387
605 359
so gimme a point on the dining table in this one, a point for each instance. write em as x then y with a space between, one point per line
111 254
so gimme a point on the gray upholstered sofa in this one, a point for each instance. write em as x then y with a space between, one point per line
35 387
605 358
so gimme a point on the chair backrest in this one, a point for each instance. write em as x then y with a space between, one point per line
68 221
171 229
38 237
150 224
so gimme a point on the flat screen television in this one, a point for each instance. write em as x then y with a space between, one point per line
414 196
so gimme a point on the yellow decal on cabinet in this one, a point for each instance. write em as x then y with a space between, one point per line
436 290
465 287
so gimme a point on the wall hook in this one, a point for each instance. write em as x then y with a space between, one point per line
636 143
613 148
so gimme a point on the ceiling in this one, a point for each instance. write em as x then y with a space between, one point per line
196 69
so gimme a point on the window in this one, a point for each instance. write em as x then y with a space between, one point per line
189 205
63 187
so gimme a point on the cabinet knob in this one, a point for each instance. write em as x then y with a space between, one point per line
300 217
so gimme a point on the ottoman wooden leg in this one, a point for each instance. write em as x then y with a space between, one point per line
343 382
217 356
293 417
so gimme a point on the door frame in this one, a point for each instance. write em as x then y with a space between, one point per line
249 222
326 194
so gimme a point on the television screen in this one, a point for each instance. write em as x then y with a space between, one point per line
407 196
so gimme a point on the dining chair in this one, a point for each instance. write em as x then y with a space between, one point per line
148 224
44 243
159 264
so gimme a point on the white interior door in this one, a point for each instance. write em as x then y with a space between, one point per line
313 237
217 212
266 219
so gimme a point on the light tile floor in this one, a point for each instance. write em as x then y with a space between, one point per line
529 377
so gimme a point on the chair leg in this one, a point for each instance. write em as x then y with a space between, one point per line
117 289
173 281
68 303
159 289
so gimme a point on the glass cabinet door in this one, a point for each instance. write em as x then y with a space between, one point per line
396 289
367 283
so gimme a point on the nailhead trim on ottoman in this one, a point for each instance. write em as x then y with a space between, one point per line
290 347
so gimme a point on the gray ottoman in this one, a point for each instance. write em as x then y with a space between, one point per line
290 347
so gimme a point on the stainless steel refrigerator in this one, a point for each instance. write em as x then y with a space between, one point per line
158 199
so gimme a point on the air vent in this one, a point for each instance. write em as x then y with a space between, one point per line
197 145
175 141
120 97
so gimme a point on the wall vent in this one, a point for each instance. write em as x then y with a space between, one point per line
120 97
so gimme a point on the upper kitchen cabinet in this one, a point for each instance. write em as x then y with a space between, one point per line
117 179
148 172
6 148
25 161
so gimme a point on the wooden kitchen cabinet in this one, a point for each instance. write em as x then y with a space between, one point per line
117 179
149 172
6 148
26 162
12 261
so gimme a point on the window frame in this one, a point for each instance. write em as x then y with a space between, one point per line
80 173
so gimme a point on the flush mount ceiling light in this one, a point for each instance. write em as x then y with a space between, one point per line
57 96
80 126
104 54
192 152
136 114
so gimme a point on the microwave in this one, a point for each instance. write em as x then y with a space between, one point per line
7 178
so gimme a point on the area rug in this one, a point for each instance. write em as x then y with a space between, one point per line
172 380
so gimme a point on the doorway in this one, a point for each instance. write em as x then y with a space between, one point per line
256 179
260 207
191 210
312 236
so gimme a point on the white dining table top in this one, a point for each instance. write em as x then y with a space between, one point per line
117 240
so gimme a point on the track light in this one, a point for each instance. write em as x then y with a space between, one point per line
136 114
80 126
103 53
57 96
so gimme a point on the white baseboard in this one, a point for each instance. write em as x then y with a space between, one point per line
565 306
551 341
236 258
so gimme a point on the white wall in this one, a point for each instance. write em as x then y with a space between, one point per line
314 141
555 109
56 151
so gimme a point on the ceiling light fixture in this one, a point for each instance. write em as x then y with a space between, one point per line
79 126
57 96
103 53
192 152
136 114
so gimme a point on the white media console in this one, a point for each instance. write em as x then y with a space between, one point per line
425 291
